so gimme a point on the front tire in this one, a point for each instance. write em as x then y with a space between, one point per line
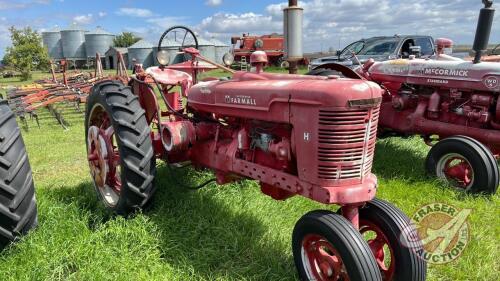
465 164
119 148
385 227
18 209
327 247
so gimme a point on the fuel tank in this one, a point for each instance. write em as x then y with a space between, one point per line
466 75
269 97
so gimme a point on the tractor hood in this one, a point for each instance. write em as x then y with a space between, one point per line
269 96
483 76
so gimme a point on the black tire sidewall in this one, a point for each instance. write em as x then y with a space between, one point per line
128 201
392 222
316 223
484 173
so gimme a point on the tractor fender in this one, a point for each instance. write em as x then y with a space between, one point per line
346 71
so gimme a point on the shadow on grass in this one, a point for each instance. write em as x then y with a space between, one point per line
398 161
201 233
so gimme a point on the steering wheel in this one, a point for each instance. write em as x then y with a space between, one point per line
179 34
351 50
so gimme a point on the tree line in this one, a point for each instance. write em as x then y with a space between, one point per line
27 53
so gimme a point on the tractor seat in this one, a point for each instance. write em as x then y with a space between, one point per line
169 76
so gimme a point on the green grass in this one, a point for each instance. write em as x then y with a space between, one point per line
230 232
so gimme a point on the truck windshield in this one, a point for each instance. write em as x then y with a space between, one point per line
380 47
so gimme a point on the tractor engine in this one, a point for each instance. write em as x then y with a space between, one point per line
295 134
444 98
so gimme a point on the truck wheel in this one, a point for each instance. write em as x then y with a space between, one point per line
327 247
18 212
465 164
385 227
119 148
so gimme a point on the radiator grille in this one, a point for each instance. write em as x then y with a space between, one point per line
346 143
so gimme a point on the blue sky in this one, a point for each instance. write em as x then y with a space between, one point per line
328 23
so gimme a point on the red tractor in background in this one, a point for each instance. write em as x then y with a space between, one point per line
452 103
294 134
273 45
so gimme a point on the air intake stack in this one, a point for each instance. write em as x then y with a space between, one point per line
483 30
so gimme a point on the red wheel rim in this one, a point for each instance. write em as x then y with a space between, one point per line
321 260
103 156
455 169
380 246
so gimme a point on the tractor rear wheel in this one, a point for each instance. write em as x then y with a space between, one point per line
387 231
18 212
119 148
327 247
465 163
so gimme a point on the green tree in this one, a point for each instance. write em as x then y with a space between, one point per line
26 53
126 39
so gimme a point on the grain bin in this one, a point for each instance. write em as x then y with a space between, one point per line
98 41
207 48
142 52
171 46
220 50
52 41
73 42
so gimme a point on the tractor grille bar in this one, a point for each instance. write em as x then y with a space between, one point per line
346 143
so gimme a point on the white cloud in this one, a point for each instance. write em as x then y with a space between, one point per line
135 12
231 24
11 5
213 2
102 14
336 23
83 19
166 22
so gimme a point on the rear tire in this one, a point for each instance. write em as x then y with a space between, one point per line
133 141
320 232
18 209
483 175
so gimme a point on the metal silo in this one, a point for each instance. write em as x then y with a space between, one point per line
73 42
142 52
98 41
207 48
172 47
220 50
52 41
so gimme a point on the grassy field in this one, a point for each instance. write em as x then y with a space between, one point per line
230 232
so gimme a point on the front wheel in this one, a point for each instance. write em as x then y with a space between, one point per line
465 163
119 148
327 247
385 228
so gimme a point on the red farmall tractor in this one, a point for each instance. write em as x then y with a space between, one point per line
453 104
294 134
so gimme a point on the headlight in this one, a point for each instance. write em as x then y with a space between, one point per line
228 59
163 57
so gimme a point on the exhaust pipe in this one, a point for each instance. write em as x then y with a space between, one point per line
483 30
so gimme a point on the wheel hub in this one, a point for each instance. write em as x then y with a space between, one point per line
456 170
98 156
104 157
322 260
381 248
